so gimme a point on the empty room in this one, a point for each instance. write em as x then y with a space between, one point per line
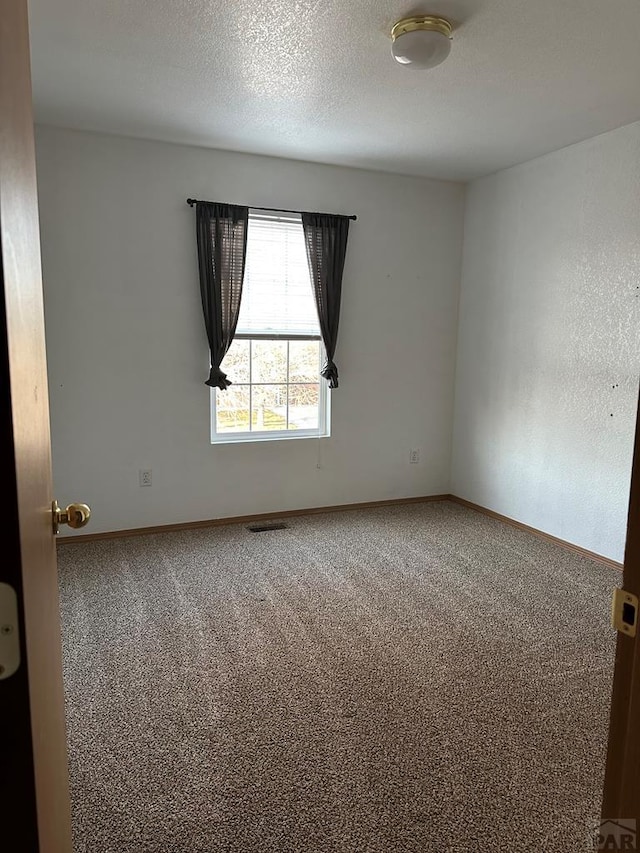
322 348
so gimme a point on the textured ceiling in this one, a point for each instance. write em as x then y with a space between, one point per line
313 79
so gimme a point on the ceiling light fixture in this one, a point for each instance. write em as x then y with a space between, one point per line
421 42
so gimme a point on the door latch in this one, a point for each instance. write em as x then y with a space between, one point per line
624 612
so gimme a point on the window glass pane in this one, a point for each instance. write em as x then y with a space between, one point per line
269 407
232 409
269 361
236 362
304 361
304 406
283 396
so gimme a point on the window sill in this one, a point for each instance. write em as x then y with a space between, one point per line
255 438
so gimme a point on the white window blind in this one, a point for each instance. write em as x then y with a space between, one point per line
277 297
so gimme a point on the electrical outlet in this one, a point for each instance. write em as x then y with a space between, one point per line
414 457
144 476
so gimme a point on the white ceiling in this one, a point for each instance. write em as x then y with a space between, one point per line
313 79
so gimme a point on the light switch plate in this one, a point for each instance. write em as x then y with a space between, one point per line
9 636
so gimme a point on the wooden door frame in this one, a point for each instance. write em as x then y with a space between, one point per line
621 795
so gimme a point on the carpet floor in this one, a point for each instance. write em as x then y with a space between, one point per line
412 678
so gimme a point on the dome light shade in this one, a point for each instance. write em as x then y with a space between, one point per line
421 42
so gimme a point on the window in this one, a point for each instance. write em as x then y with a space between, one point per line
275 359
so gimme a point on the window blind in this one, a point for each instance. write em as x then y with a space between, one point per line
277 297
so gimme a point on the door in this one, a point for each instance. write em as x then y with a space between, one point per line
622 780
34 784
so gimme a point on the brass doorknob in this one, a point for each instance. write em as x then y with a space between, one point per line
75 515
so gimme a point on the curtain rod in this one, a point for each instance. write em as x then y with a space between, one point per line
192 201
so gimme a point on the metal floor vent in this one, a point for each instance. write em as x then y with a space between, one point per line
262 528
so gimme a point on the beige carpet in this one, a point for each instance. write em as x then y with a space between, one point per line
417 678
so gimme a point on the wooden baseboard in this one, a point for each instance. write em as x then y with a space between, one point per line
292 513
242 519
569 546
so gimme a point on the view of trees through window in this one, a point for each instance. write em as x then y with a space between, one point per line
275 386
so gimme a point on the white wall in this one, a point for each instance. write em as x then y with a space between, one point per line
548 341
128 354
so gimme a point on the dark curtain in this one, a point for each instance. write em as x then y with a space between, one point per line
325 238
222 248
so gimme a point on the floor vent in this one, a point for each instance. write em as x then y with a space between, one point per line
262 528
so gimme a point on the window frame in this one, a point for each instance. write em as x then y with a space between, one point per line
324 397
324 401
